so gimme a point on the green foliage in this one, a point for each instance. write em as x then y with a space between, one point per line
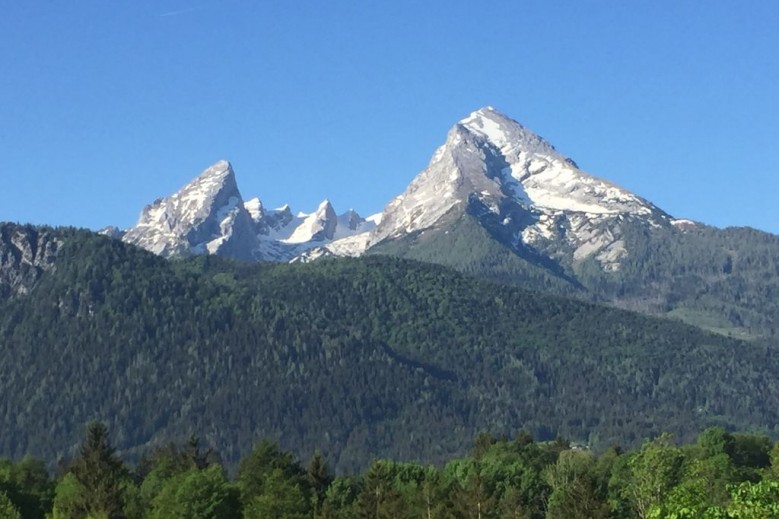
574 487
715 441
266 460
379 498
7 509
281 498
654 471
168 462
754 500
318 478
67 498
28 485
99 473
510 479
341 499
704 483
197 494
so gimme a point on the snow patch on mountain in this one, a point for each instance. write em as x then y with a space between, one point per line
683 224
255 209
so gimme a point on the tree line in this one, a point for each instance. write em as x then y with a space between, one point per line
721 475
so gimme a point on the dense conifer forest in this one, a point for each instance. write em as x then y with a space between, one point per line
725 280
720 475
359 357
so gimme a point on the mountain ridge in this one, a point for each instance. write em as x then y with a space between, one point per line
546 223
486 156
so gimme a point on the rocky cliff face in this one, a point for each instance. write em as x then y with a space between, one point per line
207 216
26 252
525 193
530 198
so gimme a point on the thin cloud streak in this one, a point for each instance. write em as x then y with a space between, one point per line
180 11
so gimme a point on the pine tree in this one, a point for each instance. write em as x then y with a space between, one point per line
99 473
319 479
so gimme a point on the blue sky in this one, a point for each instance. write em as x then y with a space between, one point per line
107 105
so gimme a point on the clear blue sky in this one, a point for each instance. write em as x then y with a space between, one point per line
107 105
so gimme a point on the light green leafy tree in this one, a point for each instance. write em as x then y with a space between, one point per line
703 486
574 488
281 498
654 471
7 508
197 494
67 496
754 501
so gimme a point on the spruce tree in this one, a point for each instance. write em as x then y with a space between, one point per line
99 472
319 479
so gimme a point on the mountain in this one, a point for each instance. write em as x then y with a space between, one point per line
205 216
500 202
209 216
526 194
362 357
534 201
522 191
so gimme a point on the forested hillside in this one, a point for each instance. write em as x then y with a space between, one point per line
723 280
361 358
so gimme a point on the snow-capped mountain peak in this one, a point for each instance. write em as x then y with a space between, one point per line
537 172
207 215
255 209
490 167
317 226
505 133
493 166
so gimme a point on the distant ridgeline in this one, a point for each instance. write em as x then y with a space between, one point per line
366 357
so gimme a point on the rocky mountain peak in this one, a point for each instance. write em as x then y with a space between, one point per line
351 220
207 215
255 209
220 172
520 188
324 206
490 167
505 133
317 226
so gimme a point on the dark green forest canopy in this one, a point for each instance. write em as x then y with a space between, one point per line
366 357
724 280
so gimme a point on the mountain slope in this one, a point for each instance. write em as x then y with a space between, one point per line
500 202
361 357
26 252
519 187
547 224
